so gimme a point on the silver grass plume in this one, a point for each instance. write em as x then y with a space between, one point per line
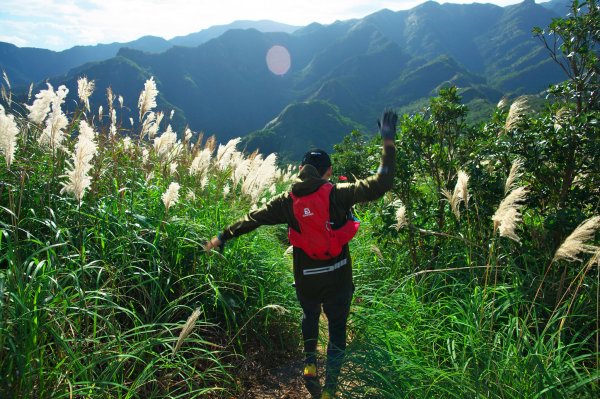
241 168
151 124
204 182
127 144
41 105
226 152
502 103
561 118
260 177
575 243
211 143
164 144
173 168
85 149
171 196
153 129
100 112
6 96
401 220
53 135
85 88
113 123
147 100
110 98
508 213
515 173
8 136
201 162
518 109
187 328
460 193
187 135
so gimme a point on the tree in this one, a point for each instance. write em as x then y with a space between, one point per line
573 44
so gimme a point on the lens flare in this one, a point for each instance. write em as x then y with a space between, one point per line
278 60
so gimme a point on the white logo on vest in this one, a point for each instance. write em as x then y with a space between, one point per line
307 212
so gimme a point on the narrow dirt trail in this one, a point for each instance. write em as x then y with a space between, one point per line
279 376
283 382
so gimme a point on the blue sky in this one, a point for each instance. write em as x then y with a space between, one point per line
61 24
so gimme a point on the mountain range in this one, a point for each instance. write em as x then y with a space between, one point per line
341 75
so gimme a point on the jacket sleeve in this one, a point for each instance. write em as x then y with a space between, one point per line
274 212
373 187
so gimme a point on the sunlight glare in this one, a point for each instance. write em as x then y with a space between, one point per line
278 60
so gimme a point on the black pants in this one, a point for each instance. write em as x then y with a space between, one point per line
336 305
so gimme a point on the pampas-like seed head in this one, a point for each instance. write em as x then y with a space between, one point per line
562 117
502 103
85 150
127 144
260 176
201 162
401 220
8 136
165 143
575 243
508 213
187 328
515 173
517 112
187 135
204 182
110 97
460 193
211 143
85 88
171 196
147 100
41 105
53 135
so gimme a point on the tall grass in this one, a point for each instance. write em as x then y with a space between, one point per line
97 281
105 291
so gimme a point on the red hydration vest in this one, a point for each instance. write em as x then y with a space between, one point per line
316 237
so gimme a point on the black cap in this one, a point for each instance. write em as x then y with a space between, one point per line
317 158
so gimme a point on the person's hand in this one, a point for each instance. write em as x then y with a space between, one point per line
387 124
213 243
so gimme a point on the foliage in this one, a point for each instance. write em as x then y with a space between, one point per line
94 293
460 288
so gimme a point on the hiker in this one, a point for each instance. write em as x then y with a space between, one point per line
321 257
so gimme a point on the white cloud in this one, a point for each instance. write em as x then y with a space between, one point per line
60 24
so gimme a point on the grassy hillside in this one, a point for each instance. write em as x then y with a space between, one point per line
300 127
473 277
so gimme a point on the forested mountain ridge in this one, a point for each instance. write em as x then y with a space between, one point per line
223 86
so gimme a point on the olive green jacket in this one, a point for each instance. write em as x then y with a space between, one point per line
343 196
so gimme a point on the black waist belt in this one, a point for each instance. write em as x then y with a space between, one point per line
325 269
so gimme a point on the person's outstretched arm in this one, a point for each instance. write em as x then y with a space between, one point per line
275 211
